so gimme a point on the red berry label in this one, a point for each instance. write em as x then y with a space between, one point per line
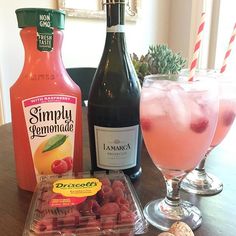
69 163
59 167
61 201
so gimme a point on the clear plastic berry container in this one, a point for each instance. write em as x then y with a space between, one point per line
98 204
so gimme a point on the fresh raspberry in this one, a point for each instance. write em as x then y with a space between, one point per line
108 222
146 124
126 217
121 201
105 181
60 223
124 208
93 223
69 162
43 208
110 208
69 221
89 208
74 212
45 225
105 194
107 191
54 223
42 227
118 183
59 167
199 125
127 234
46 196
75 215
117 193
92 226
228 118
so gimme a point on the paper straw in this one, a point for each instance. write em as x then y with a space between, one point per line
197 47
230 45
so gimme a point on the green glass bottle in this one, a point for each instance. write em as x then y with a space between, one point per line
113 104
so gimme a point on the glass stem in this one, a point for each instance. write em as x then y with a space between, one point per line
172 187
201 166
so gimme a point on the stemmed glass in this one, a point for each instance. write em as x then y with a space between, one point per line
199 181
178 120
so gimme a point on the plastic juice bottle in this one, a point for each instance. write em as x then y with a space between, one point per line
45 103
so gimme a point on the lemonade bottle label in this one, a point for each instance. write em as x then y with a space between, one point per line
50 122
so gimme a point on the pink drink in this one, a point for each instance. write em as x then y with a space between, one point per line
225 120
178 121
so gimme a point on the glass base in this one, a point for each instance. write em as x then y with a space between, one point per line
202 183
162 214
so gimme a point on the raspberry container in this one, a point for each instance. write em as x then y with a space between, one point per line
98 204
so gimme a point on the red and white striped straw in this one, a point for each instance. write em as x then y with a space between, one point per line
193 65
230 45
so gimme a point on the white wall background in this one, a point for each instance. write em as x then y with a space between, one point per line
11 49
84 38
180 26
227 20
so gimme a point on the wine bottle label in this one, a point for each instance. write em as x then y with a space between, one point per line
50 121
116 148
116 28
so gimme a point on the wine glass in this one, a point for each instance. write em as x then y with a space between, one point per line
199 181
178 120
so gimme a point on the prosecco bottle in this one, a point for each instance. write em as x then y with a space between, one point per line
113 104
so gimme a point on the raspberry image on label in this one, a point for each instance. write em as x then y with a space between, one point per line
54 155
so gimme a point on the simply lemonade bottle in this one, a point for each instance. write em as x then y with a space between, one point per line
45 103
